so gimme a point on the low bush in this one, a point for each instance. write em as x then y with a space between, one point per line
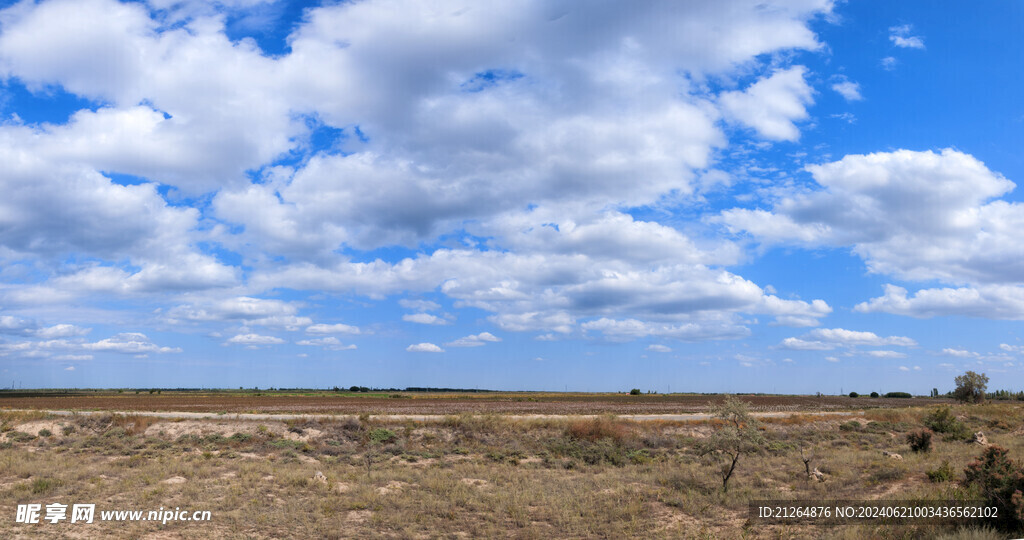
595 429
382 436
852 425
874 394
1000 482
942 420
944 473
920 440
902 395
854 394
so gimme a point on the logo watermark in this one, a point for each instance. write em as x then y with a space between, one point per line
86 513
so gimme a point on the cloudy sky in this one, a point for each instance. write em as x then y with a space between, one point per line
782 196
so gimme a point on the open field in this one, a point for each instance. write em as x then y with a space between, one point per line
476 476
433 403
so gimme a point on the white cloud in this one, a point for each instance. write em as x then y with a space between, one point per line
61 331
960 353
254 340
659 348
630 329
475 340
824 339
128 343
424 318
73 357
424 347
333 329
798 344
990 302
889 63
249 310
331 343
885 354
419 305
904 368
772 104
69 368
593 111
848 89
900 36
953 232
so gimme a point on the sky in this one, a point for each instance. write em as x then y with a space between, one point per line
733 196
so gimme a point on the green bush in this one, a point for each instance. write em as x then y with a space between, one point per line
942 420
874 394
1000 482
634 392
920 440
45 433
902 395
382 436
854 394
942 474
852 425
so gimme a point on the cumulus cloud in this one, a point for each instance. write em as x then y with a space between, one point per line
333 329
248 310
659 348
823 339
886 354
128 343
771 105
331 343
953 232
990 302
424 347
960 353
900 36
424 318
475 340
848 89
419 305
535 151
61 331
254 340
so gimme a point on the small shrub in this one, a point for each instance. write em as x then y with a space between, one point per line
901 395
874 394
382 436
43 485
942 474
942 420
634 392
1000 482
854 394
20 436
68 430
920 440
45 433
595 429
852 425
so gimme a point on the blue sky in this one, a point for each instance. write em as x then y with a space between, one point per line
734 196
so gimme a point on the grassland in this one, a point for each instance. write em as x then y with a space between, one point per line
474 476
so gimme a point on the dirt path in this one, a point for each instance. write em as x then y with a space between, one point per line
690 417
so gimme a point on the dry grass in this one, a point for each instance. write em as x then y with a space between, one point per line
470 476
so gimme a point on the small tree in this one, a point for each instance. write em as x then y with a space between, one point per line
634 392
970 387
738 436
